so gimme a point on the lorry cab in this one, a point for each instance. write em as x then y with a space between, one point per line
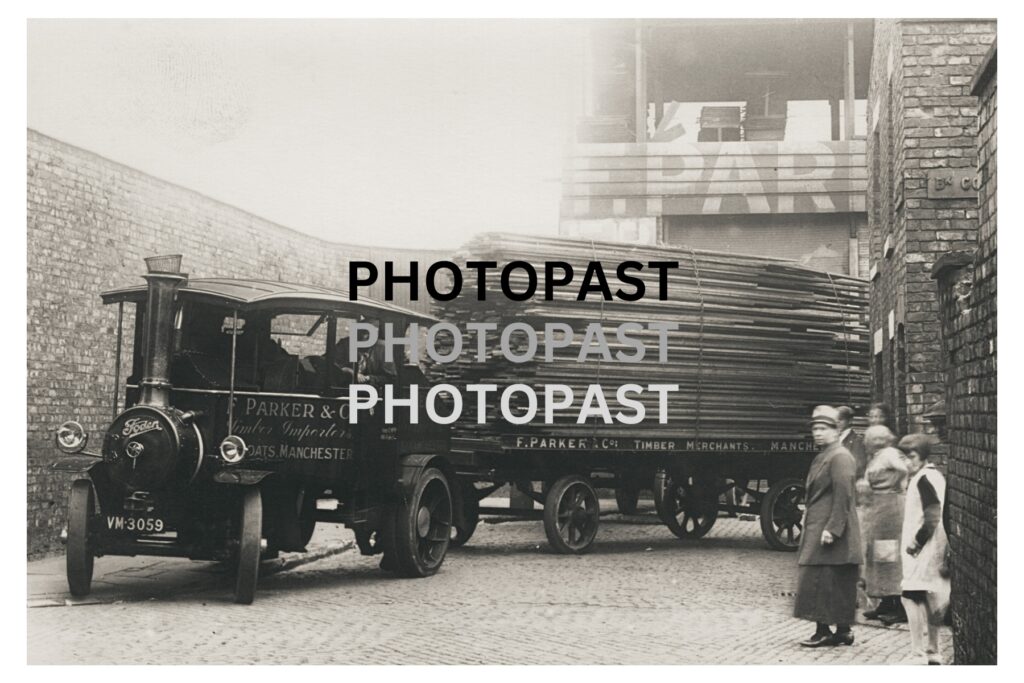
235 438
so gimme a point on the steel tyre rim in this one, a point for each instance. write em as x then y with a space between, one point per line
432 523
79 556
577 515
688 513
787 515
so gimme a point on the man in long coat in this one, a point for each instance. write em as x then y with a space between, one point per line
830 544
851 440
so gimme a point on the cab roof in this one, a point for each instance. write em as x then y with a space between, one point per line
259 295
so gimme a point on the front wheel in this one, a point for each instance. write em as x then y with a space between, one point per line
571 514
423 526
782 514
81 505
249 540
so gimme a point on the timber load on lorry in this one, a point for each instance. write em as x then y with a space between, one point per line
760 341
747 346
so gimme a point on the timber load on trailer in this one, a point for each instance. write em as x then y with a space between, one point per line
753 344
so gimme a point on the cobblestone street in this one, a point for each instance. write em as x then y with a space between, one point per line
640 597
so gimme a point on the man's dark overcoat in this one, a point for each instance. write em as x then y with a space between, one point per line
831 504
854 443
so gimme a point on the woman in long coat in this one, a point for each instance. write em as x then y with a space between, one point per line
880 497
830 546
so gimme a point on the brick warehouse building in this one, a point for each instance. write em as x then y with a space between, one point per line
924 130
90 223
922 122
967 296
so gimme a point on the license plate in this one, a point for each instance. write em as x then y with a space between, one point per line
136 525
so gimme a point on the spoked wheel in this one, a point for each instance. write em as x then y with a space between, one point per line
462 529
689 507
571 514
81 505
249 535
627 495
423 526
782 514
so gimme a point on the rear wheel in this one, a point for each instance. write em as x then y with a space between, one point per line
571 514
782 514
249 536
423 526
689 506
79 553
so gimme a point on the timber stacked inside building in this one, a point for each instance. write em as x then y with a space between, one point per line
728 135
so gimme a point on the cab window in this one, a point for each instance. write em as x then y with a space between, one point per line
300 334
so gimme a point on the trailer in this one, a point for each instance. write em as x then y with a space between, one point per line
749 345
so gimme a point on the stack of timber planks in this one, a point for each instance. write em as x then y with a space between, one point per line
760 341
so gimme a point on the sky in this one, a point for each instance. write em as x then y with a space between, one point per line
411 133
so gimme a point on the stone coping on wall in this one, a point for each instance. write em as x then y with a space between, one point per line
952 259
986 71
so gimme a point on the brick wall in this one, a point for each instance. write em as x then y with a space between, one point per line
90 223
967 291
921 116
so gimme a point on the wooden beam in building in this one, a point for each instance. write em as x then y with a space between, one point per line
833 106
848 83
641 83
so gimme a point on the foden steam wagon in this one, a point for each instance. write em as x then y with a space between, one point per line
234 440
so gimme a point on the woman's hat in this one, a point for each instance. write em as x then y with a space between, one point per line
826 415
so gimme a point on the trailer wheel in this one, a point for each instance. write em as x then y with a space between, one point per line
627 495
423 526
249 536
462 529
79 552
782 513
571 513
689 507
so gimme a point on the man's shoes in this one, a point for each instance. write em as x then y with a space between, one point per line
872 614
843 638
818 640
829 640
890 619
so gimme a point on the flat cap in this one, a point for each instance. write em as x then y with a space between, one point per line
826 415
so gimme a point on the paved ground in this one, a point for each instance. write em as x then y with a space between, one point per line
640 597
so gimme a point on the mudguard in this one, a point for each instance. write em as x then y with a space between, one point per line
410 467
241 477
76 463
